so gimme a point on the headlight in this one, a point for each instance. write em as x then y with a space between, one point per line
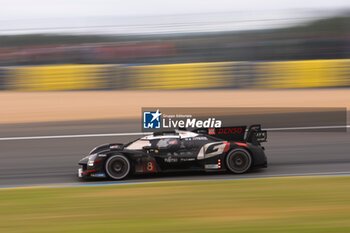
92 160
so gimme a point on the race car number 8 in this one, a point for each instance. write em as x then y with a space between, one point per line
150 166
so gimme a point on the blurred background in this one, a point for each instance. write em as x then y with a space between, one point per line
89 45
75 74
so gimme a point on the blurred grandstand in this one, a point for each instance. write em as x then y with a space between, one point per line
322 39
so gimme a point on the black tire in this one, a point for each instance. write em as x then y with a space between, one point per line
117 167
238 161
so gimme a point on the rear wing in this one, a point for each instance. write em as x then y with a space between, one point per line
254 134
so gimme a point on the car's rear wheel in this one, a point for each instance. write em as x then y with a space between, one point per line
238 161
117 167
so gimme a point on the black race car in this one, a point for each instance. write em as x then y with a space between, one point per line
229 148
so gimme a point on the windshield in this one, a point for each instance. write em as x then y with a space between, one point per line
167 142
139 144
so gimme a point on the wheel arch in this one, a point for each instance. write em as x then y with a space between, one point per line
243 148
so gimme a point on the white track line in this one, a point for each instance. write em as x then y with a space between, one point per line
310 127
74 136
144 133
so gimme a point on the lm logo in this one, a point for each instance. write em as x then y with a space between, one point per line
151 120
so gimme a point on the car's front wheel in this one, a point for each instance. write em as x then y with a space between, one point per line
117 167
238 161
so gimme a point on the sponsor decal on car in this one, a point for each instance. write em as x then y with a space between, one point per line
211 131
171 160
211 166
211 149
230 130
187 159
200 138
98 175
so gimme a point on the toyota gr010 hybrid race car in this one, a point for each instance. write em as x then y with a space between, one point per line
230 148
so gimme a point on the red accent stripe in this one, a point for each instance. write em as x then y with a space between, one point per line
241 144
98 160
93 170
227 147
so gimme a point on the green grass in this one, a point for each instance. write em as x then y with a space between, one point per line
258 205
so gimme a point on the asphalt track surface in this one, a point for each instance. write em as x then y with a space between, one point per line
54 161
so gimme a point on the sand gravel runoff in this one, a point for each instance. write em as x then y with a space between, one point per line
25 107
